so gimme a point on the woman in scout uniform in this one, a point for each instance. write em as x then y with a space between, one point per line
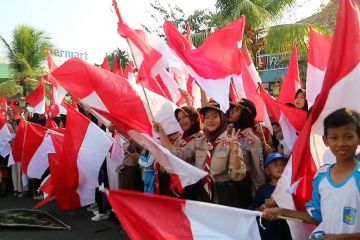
216 153
242 118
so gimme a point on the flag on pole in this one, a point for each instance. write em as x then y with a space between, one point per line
291 82
151 216
342 74
84 150
36 99
215 62
319 49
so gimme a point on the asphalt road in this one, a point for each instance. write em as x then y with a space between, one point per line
82 228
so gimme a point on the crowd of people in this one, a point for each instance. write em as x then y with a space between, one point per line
244 162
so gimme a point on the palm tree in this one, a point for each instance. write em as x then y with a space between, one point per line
27 52
260 15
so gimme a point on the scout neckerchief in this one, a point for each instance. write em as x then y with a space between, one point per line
207 180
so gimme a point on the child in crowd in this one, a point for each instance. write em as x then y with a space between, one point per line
274 166
335 202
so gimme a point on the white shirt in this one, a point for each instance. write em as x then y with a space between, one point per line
336 206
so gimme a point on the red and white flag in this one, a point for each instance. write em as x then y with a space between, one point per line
117 69
161 70
216 62
36 99
58 93
319 50
291 82
122 112
152 216
18 143
84 150
5 137
105 65
100 90
182 174
342 74
47 186
129 72
37 145
290 119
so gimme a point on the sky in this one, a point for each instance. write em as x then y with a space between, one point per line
90 25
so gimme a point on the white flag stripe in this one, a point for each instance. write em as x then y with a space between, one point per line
92 153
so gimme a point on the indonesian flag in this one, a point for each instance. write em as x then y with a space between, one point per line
37 145
123 111
162 71
18 143
5 137
262 114
105 65
319 49
216 62
47 186
58 93
36 99
151 216
342 74
116 68
290 119
84 150
129 72
182 174
291 82
101 90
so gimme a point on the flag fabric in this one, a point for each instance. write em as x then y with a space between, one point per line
215 62
105 65
116 68
262 114
152 216
342 74
159 67
36 99
85 147
100 89
18 143
129 72
106 91
5 137
319 49
291 82
182 174
37 146
58 93
290 119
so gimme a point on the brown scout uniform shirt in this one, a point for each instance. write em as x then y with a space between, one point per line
223 157
252 150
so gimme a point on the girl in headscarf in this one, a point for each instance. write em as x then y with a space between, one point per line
216 153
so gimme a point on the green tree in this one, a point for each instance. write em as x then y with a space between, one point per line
200 21
10 89
261 33
26 52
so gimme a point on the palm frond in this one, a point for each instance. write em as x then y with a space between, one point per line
280 38
27 51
